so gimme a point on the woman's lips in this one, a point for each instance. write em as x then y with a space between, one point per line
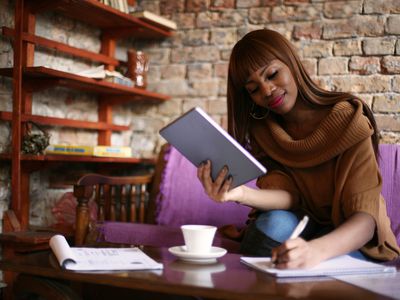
276 102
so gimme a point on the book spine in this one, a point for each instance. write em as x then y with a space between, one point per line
69 150
112 151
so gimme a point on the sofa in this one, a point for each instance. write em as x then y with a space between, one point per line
178 198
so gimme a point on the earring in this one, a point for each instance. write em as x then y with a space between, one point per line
254 112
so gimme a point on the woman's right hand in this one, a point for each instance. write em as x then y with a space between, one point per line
219 189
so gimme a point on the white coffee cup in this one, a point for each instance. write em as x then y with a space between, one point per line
198 238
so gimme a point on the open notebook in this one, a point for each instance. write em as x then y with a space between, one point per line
341 265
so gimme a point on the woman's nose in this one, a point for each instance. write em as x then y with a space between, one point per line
267 88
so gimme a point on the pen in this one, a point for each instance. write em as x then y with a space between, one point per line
299 228
295 234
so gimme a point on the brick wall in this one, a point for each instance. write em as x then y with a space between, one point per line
345 45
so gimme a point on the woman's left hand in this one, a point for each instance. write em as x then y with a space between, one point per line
296 253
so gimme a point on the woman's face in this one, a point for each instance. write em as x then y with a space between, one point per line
273 87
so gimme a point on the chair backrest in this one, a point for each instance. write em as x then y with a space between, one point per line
122 199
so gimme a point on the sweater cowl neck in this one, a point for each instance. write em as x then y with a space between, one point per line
343 127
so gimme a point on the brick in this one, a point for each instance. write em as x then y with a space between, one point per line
310 65
207 87
222 4
396 84
259 15
225 54
317 49
388 103
354 27
172 87
347 48
391 64
342 9
364 65
398 47
217 107
196 37
222 86
379 46
227 18
170 7
192 102
295 13
173 72
307 31
197 5
223 36
388 122
247 3
158 56
206 19
291 2
170 108
361 84
199 71
393 24
270 2
221 70
185 21
381 6
195 54
332 65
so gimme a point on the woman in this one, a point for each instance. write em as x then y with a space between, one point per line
320 149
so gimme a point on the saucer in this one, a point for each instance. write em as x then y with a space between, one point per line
199 258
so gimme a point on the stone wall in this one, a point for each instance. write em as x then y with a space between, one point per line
345 45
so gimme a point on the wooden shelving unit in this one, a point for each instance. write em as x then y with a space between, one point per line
28 79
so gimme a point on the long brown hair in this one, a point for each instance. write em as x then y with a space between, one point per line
258 48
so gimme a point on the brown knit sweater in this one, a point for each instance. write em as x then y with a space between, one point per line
333 171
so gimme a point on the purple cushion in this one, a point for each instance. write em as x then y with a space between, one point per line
389 164
182 199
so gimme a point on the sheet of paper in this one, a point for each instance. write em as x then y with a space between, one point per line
111 259
341 265
100 259
383 284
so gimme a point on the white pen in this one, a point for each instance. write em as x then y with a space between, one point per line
299 228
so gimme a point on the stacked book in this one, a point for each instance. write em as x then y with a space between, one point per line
121 5
99 151
154 19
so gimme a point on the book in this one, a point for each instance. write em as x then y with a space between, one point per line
199 138
152 18
69 150
341 265
112 151
99 151
100 259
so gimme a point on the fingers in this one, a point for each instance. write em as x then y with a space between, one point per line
291 254
219 187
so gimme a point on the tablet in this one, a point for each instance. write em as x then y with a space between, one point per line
199 138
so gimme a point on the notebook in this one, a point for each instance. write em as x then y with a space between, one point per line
199 138
341 265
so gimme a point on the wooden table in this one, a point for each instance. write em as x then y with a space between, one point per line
225 279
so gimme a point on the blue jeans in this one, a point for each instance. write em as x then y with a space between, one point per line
271 228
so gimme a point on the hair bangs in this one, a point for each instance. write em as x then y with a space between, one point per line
246 58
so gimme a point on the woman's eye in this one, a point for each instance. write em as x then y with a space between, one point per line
252 91
273 75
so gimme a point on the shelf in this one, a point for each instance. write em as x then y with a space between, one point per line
116 23
78 158
42 76
7 116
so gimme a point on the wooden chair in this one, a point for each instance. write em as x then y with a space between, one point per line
122 199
